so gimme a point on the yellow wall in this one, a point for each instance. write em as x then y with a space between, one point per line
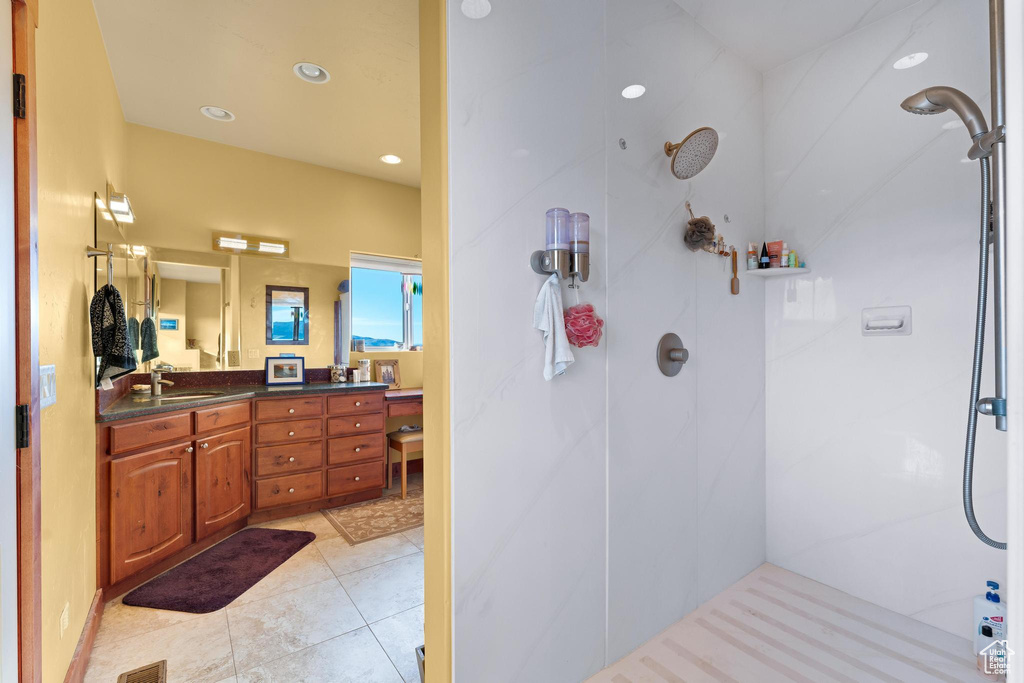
183 189
322 281
82 145
437 501
202 322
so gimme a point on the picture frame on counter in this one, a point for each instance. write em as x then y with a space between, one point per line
388 373
282 370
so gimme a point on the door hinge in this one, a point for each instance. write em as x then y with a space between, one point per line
22 426
19 96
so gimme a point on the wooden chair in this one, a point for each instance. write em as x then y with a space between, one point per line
404 443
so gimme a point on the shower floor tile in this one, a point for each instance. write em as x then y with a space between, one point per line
774 625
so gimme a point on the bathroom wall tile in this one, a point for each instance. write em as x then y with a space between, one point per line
526 107
865 436
686 475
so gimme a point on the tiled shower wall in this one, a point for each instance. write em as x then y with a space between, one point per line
593 511
866 435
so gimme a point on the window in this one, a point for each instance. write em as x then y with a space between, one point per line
387 302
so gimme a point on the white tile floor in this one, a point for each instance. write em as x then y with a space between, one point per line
774 625
332 612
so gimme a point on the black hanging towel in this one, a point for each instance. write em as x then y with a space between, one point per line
110 339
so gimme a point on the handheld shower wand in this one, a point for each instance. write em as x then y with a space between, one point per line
936 100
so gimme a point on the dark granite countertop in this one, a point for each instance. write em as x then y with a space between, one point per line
137 405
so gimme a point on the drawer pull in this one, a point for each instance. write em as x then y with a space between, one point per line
189 449
358 425
204 445
291 410
358 404
291 459
291 433
358 449
357 478
291 490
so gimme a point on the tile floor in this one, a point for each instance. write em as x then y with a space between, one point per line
774 625
332 612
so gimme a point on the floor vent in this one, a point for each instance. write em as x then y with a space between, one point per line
151 673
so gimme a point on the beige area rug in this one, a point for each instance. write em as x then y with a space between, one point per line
375 518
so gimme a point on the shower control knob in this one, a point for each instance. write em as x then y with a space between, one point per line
671 355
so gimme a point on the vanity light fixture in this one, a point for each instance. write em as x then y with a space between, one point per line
271 248
217 113
476 9
910 60
250 245
631 92
311 73
391 159
119 206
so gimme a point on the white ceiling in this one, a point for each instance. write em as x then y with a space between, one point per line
169 58
768 33
189 273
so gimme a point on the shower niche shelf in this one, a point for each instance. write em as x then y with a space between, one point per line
777 272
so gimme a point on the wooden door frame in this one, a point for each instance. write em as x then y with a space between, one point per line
26 235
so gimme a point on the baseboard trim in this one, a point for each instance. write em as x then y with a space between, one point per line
80 660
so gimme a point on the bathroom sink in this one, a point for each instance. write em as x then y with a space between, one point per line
190 397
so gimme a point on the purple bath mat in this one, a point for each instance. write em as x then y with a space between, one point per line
218 575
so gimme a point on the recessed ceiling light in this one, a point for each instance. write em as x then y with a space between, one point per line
391 159
631 92
311 73
217 114
910 60
476 9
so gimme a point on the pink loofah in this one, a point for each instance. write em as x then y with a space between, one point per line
582 325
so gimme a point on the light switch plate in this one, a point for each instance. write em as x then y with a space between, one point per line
234 359
47 385
254 353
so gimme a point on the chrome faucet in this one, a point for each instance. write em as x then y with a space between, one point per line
156 383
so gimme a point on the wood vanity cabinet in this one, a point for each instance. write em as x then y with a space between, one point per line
150 508
223 481
172 484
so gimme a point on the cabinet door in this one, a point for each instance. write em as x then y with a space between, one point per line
222 481
150 508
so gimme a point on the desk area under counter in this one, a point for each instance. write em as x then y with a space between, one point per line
223 458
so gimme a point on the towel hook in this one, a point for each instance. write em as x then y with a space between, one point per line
109 253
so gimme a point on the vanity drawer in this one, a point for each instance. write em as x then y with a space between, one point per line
356 402
354 448
219 417
289 432
128 437
283 408
352 478
354 424
402 408
294 488
291 458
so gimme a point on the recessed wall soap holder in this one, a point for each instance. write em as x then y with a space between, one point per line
886 321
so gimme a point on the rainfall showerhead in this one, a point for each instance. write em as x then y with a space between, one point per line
694 153
938 99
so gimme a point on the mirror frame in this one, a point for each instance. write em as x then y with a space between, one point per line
270 320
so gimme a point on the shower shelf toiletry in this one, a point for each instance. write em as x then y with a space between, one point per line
777 272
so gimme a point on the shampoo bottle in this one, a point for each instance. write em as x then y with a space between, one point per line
989 626
751 256
785 256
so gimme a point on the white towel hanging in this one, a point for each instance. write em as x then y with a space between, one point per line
548 318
